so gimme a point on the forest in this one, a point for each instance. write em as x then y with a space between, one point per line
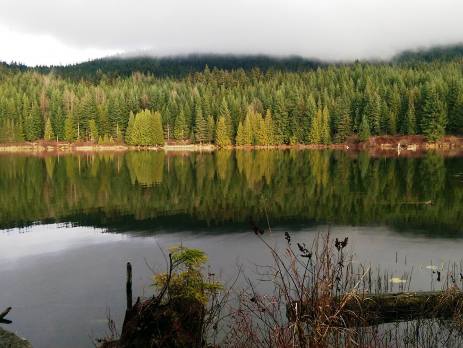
259 103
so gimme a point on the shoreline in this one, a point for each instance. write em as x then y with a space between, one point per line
376 145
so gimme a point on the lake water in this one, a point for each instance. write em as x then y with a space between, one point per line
69 224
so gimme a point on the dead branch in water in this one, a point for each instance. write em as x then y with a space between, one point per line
3 315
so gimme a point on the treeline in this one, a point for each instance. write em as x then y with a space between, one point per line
441 53
236 107
176 66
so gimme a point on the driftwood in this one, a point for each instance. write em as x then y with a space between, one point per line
374 309
3 315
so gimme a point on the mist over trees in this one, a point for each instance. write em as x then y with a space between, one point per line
241 106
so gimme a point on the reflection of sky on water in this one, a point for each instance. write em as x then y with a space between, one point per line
61 280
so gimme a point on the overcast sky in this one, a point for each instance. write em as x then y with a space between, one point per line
67 31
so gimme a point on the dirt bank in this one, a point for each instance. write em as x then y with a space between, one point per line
380 145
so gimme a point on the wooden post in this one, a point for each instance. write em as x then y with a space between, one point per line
128 289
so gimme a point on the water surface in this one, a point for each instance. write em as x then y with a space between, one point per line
69 224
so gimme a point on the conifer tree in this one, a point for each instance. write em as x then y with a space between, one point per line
200 126
261 132
240 135
93 130
225 113
364 130
210 129
433 118
315 135
248 129
180 126
269 127
129 131
69 128
221 134
48 133
158 132
325 133
409 124
373 112
343 128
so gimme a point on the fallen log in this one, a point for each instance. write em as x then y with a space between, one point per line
374 309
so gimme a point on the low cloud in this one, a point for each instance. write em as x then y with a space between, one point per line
326 29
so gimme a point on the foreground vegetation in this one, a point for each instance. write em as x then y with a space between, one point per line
316 296
242 107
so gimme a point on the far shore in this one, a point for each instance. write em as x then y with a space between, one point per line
387 145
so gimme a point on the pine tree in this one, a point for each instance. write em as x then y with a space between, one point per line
93 130
35 129
225 113
280 120
158 132
48 133
248 129
221 134
261 132
343 127
180 126
210 129
69 128
373 112
240 135
433 118
364 130
315 135
454 92
409 124
200 126
129 131
269 127
325 132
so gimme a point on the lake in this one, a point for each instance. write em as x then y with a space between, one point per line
69 223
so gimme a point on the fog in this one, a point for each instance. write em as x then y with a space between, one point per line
65 31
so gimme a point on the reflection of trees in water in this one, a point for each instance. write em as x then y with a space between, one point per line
146 168
224 186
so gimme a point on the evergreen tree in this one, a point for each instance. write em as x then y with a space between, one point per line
248 129
69 128
364 131
409 124
454 92
325 132
158 132
210 129
221 134
343 127
200 126
180 126
93 130
269 127
315 135
280 120
129 131
373 113
262 138
48 133
240 135
433 118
